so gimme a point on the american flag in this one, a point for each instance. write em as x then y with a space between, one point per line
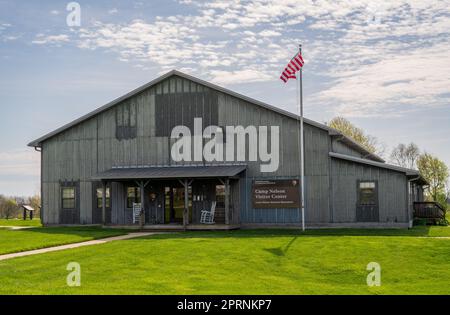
293 66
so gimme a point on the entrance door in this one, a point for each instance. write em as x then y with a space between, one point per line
174 204
70 204
97 211
367 209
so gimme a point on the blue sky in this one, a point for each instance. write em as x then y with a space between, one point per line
383 65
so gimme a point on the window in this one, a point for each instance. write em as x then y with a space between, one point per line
367 194
99 198
133 196
68 197
126 116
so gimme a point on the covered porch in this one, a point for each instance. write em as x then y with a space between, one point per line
171 197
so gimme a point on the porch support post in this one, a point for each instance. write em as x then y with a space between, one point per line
142 216
186 183
142 186
103 202
186 203
227 201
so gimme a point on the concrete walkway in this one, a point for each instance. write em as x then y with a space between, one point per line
18 227
75 245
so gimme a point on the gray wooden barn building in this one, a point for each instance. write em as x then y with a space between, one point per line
96 168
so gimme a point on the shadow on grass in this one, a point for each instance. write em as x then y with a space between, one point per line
98 232
281 251
95 232
418 231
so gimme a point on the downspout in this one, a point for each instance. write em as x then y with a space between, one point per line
410 220
41 209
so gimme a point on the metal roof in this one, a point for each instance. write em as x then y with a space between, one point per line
356 146
38 142
170 172
407 171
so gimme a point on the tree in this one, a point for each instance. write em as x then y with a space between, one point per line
35 202
405 155
368 142
8 208
436 173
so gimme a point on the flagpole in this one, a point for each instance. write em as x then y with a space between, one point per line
302 152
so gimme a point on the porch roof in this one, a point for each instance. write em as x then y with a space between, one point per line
170 172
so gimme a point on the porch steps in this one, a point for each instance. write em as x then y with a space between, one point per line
220 216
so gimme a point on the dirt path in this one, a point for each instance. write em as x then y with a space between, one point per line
75 245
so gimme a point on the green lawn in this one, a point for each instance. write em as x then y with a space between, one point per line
21 240
20 222
244 262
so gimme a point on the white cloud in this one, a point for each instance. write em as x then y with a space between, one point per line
19 162
239 76
371 55
113 11
50 39
55 12
398 82
10 38
269 33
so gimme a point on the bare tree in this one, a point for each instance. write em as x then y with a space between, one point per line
405 155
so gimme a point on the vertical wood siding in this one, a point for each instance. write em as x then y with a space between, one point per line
340 147
392 191
92 146
233 112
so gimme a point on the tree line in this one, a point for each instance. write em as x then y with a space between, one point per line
10 207
431 168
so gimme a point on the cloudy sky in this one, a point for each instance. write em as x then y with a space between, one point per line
383 65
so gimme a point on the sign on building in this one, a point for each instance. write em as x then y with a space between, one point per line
276 193
136 212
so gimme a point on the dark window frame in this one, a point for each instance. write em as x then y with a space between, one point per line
364 200
126 121
65 199
99 195
133 199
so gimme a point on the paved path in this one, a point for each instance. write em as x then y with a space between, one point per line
75 245
18 227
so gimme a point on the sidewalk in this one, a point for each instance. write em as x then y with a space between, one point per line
75 245
10 227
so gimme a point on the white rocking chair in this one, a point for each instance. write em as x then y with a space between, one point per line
207 216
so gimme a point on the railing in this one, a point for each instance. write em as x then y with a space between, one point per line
429 210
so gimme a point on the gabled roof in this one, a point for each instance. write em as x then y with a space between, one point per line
38 142
407 171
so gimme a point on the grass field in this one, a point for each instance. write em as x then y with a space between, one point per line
12 241
244 262
20 222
